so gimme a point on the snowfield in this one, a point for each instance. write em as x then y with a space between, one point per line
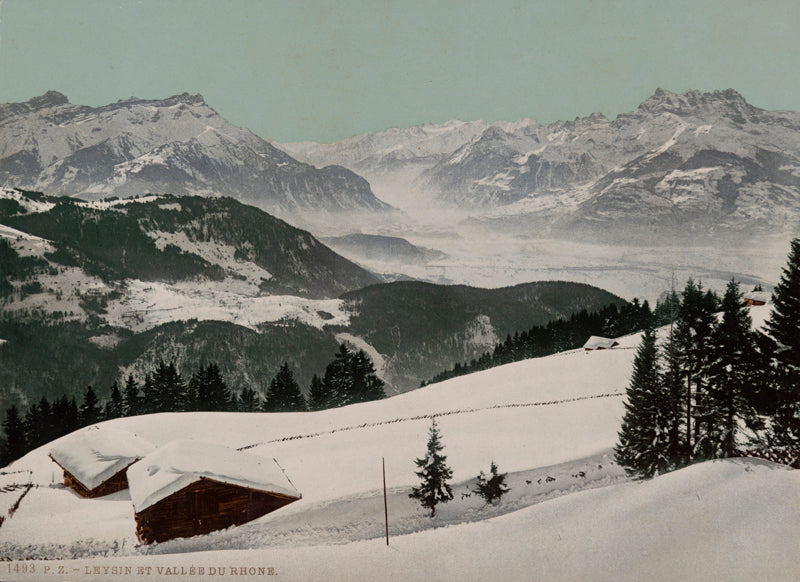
550 423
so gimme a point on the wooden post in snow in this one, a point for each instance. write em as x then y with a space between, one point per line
385 504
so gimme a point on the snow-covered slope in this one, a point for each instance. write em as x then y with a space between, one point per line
549 422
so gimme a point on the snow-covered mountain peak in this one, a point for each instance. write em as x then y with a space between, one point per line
694 102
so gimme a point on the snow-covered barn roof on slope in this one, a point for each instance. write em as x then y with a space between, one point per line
95 454
599 343
759 296
180 463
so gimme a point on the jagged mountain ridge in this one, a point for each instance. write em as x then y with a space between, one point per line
710 163
178 145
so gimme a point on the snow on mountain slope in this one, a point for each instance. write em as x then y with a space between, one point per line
549 422
525 415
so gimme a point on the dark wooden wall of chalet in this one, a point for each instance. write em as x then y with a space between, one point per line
203 507
116 483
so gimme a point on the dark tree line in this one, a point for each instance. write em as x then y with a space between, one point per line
715 387
558 336
350 378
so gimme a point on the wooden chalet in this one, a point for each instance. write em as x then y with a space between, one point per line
95 460
188 488
599 343
756 298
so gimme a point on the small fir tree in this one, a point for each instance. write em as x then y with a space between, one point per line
434 473
491 488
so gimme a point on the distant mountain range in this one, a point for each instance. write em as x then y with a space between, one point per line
706 163
709 164
178 146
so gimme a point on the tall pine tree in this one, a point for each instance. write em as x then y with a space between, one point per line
731 373
338 380
782 326
645 436
14 429
693 336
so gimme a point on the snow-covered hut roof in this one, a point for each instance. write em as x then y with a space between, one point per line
599 343
762 297
180 463
95 454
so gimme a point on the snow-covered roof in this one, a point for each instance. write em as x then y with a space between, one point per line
760 296
180 463
95 454
599 343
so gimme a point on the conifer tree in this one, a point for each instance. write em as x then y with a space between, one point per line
208 391
90 409
318 397
693 336
434 474
14 430
782 326
644 438
72 421
65 416
48 427
131 405
169 388
338 380
33 420
364 383
284 393
731 377
493 487
248 400
114 406
149 401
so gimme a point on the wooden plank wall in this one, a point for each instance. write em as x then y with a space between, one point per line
202 507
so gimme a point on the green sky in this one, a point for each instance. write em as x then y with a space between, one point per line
295 70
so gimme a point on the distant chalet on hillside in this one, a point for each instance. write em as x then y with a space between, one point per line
757 298
599 343
94 460
188 488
